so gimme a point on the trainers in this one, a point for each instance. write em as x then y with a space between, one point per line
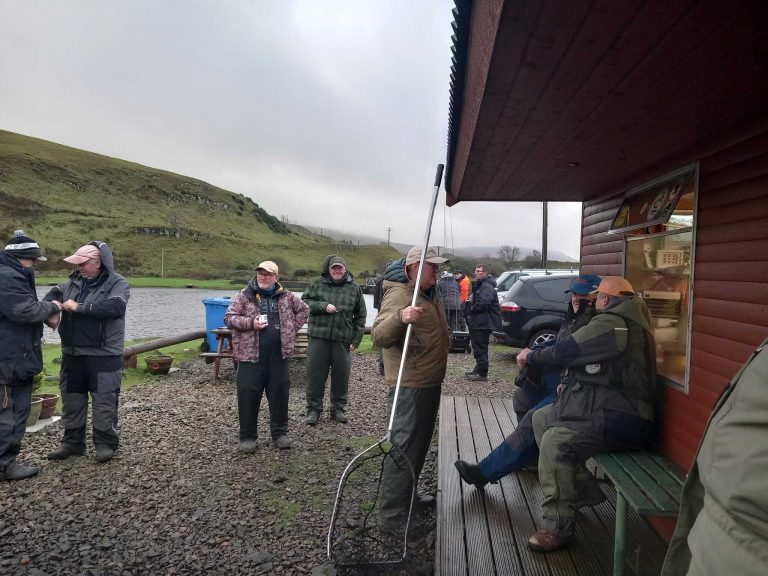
477 378
471 474
248 446
312 418
104 453
16 471
65 451
546 541
339 416
283 442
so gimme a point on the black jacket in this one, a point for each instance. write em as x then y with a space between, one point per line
21 322
482 309
98 326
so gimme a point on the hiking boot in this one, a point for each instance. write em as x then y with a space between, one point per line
471 474
425 501
477 378
470 373
545 541
248 446
283 442
104 453
339 416
65 451
312 418
15 471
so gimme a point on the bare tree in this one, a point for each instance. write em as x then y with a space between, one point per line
533 260
509 255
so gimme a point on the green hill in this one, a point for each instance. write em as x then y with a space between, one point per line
64 197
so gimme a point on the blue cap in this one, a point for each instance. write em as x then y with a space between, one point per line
584 284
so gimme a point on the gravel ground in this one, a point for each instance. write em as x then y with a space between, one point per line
180 499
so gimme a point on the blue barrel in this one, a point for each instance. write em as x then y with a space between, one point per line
214 318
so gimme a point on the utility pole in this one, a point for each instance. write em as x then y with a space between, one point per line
162 262
388 231
544 236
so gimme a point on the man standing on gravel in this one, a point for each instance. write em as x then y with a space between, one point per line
423 373
265 319
483 316
94 299
21 357
336 326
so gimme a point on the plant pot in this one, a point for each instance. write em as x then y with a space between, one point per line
34 411
49 405
158 364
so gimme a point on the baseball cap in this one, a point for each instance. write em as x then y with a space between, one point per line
336 261
584 284
269 266
83 254
414 255
615 286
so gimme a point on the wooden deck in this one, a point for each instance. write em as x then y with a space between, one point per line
484 532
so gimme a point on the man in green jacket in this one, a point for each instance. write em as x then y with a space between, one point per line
723 523
336 325
605 405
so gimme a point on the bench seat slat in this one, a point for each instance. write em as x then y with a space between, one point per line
662 472
641 490
216 355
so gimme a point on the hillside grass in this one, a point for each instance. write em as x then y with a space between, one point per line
157 223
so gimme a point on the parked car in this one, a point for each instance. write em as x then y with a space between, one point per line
507 279
534 309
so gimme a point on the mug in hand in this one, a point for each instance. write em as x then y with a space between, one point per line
263 319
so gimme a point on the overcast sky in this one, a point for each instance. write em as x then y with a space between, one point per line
330 112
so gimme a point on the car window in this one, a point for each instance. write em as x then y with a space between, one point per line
553 290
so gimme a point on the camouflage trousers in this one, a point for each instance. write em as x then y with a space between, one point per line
565 481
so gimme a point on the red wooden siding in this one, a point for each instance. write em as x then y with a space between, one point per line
730 298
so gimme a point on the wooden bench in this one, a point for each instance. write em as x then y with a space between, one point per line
223 349
647 482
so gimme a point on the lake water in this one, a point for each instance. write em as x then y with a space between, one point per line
156 312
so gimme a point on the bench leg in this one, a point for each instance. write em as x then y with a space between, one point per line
618 544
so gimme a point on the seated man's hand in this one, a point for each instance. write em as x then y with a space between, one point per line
522 355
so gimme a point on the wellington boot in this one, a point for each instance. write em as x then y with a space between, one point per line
471 474
104 453
65 451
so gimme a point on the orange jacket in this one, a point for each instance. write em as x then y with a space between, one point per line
464 285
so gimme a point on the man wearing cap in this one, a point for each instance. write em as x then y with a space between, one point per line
423 373
519 448
265 319
483 316
605 405
94 300
21 356
336 325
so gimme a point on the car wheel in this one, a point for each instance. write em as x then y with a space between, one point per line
542 337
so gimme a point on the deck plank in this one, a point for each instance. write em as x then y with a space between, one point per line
485 532
450 550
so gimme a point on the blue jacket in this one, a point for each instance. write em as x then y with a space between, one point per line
21 322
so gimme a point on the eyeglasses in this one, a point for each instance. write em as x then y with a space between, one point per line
262 273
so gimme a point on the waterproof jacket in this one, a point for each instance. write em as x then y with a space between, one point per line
246 306
611 371
347 324
482 309
97 327
465 286
723 521
21 322
430 339
449 293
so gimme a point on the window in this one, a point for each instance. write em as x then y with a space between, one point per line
553 290
658 257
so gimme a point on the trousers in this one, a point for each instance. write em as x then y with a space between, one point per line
14 408
325 356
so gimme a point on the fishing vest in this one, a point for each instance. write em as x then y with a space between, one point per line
633 372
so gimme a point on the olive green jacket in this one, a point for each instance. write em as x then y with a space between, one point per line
722 528
427 355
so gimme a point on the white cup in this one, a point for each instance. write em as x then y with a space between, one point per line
263 319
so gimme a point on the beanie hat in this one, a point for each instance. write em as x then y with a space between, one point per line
22 246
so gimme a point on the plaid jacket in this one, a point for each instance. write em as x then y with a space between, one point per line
347 324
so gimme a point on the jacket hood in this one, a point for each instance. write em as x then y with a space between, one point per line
633 308
252 289
326 272
105 255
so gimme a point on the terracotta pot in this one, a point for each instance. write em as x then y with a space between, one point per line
34 411
158 364
49 405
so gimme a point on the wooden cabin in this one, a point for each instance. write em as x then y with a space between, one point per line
654 115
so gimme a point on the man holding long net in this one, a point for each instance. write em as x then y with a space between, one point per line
423 373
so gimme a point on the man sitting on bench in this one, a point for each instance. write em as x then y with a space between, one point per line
605 406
